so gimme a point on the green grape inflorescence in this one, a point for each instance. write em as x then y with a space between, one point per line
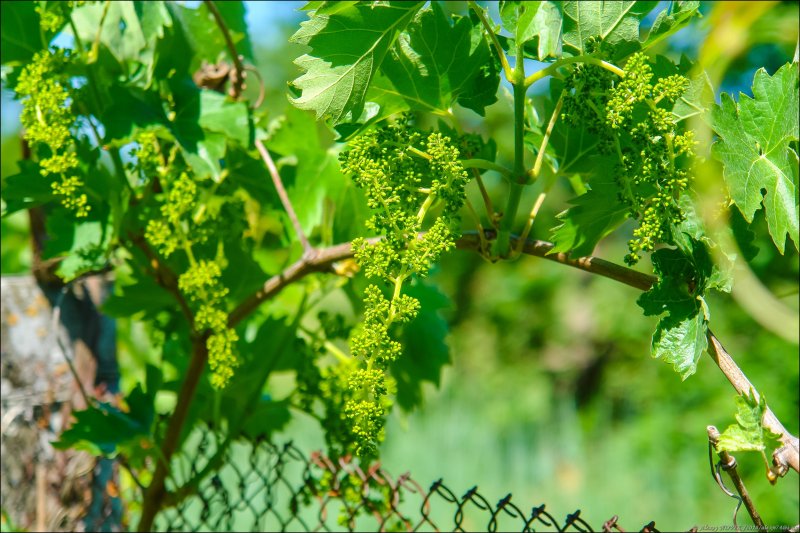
177 229
631 117
405 173
53 15
47 117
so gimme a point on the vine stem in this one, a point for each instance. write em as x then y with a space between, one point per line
238 79
537 169
591 60
487 200
287 204
516 185
728 463
156 491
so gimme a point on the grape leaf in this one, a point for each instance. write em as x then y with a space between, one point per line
615 23
433 63
83 245
102 428
749 433
680 336
696 100
518 19
671 293
204 121
670 20
219 114
541 34
383 100
25 189
327 7
267 417
681 341
20 36
594 215
143 298
755 150
130 34
347 47
691 238
548 22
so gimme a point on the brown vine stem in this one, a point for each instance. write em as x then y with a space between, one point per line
163 275
287 204
728 463
156 492
238 66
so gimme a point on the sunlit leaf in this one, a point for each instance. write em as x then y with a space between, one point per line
755 149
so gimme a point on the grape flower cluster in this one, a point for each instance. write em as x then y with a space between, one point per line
632 118
53 15
47 118
201 282
405 174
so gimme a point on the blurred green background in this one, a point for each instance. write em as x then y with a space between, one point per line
552 394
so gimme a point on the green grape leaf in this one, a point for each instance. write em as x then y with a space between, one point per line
142 298
671 293
425 351
101 429
670 20
83 245
316 173
681 341
691 239
205 155
25 189
220 115
518 19
574 148
266 418
749 432
593 216
434 63
680 336
383 101
696 100
540 32
548 22
19 32
129 107
615 23
328 7
130 34
338 70
754 146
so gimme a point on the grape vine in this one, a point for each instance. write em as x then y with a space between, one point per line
207 210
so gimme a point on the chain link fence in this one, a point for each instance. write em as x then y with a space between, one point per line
263 486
